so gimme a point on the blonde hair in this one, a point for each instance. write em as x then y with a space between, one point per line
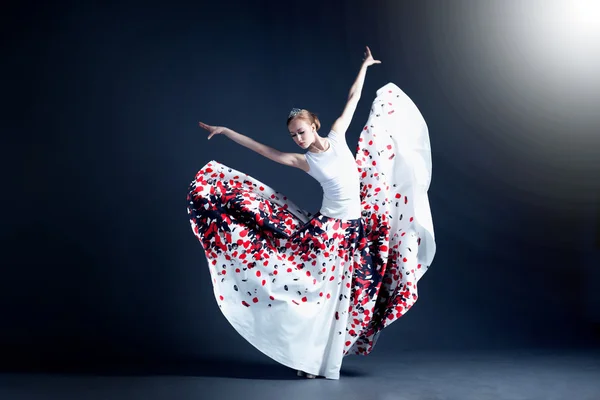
306 115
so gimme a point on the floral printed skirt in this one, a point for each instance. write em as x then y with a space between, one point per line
305 289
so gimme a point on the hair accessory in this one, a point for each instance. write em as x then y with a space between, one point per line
294 112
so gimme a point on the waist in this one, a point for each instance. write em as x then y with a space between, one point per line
341 208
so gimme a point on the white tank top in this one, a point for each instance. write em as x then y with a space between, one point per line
336 170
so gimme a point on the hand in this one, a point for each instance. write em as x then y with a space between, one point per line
368 60
214 130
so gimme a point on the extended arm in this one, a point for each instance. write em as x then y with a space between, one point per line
289 159
343 122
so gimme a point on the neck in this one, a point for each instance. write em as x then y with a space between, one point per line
319 145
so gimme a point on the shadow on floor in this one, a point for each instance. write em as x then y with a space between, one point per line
206 367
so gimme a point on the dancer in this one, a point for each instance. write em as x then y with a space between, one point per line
305 289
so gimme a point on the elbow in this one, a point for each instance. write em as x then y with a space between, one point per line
353 100
354 96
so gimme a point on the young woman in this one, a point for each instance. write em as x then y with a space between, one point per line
305 289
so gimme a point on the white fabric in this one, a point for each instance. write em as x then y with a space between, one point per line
335 169
394 114
299 316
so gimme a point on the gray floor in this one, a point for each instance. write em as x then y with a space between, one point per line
523 375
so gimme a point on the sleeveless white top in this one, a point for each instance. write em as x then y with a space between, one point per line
336 170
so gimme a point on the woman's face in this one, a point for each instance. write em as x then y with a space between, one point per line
302 132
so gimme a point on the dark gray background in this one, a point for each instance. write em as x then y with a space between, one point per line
100 141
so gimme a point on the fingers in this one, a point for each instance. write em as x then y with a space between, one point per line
213 130
204 126
367 53
372 62
369 57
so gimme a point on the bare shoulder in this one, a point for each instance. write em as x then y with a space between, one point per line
300 162
340 126
291 160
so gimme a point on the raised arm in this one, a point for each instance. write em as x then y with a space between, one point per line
289 159
343 122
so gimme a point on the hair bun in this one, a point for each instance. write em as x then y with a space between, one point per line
306 115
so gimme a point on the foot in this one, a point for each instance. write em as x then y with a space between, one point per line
302 373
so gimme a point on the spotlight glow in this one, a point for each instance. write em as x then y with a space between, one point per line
563 36
525 75
583 17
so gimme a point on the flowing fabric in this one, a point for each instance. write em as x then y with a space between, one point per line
305 289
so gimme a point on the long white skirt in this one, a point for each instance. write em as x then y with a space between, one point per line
304 289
